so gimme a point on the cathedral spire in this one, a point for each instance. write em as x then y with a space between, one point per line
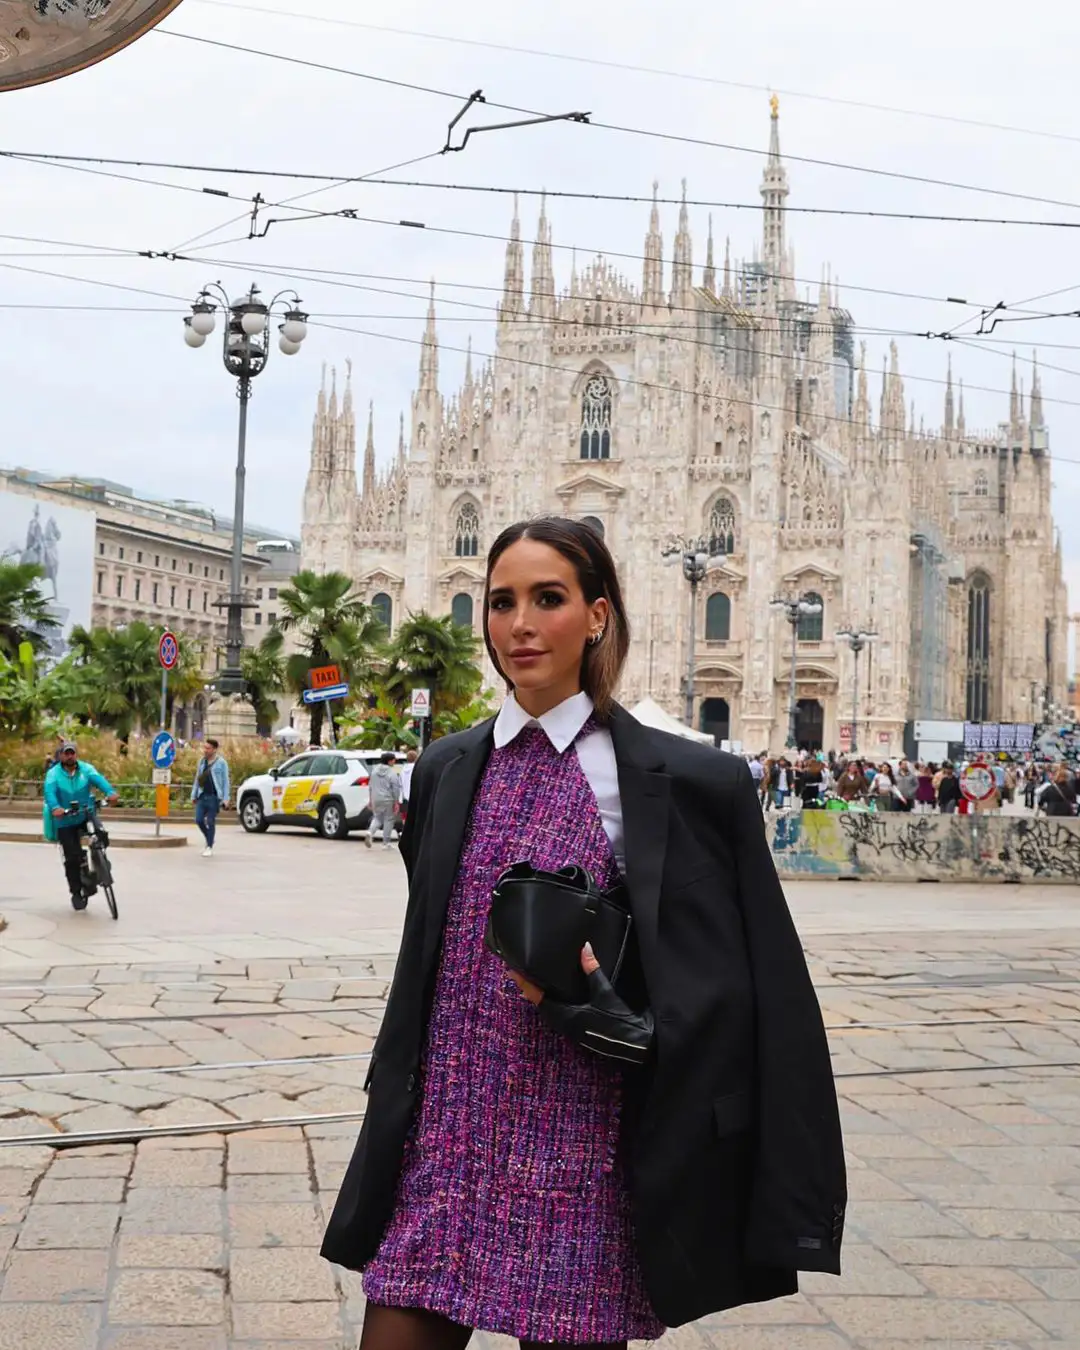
369 455
542 303
774 193
961 421
708 280
401 444
429 353
468 363
682 276
652 282
1014 406
514 278
950 420
1037 422
862 401
727 267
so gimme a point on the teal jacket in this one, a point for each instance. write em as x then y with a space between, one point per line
73 789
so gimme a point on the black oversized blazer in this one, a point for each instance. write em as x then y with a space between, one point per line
736 1162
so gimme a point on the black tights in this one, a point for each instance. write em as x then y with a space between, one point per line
411 1329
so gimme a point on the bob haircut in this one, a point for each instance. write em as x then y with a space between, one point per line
580 545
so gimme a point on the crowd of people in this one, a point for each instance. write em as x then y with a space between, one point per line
812 780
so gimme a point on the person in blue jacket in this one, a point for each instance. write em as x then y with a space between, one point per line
68 784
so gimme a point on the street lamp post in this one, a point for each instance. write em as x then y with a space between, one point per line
246 350
857 639
698 557
793 608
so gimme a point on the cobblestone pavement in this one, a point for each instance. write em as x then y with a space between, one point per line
956 1040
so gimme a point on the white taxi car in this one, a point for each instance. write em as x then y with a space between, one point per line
324 789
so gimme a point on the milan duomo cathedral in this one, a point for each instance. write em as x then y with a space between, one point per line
720 404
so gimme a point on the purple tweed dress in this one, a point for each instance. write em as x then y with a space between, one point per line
512 1213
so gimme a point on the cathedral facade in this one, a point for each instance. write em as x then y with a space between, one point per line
722 406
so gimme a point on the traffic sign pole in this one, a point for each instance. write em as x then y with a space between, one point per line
168 656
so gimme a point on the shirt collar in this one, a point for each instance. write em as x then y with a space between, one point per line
561 725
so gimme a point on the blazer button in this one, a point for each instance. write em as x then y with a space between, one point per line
410 1083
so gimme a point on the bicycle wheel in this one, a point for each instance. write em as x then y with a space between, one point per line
110 898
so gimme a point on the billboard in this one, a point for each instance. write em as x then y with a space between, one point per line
60 540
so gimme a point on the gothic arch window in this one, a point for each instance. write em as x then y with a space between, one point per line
982 484
718 617
722 526
383 607
596 409
812 626
594 523
978 649
467 531
461 610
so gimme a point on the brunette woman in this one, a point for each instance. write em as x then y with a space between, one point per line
505 1178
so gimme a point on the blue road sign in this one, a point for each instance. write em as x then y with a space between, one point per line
325 695
163 751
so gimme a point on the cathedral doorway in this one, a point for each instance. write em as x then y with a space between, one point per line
809 724
716 719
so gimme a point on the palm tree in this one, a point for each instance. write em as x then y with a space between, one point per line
446 723
124 675
384 727
31 699
333 627
24 612
264 673
435 654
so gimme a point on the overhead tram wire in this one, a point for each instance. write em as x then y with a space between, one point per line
674 137
646 70
330 181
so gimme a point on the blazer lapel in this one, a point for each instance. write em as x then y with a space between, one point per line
644 791
449 818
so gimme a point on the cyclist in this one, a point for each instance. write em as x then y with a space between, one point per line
68 784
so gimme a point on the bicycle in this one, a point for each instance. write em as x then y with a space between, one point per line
98 870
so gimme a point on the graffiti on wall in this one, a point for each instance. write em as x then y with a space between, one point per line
897 847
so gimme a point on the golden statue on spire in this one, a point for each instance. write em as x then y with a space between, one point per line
774 104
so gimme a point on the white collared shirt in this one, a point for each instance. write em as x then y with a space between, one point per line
595 752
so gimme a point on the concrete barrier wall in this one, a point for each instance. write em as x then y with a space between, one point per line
894 846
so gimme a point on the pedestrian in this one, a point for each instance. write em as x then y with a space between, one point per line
948 793
883 790
907 785
852 784
67 789
812 783
782 782
514 1173
1058 797
1032 782
925 792
210 793
384 791
406 776
757 773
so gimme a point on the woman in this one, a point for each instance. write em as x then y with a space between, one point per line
882 790
507 1180
1032 782
852 783
925 793
948 794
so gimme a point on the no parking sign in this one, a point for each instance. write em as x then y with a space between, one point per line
977 782
168 651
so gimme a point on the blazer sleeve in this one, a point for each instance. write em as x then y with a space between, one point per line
799 1190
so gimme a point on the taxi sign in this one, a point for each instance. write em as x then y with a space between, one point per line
322 677
977 782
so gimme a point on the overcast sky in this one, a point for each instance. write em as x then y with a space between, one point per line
119 395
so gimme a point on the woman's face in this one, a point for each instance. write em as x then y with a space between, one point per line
539 622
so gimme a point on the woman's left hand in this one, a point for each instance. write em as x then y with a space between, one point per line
535 995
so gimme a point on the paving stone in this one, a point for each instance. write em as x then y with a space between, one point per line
179 1168
80 1190
902 1218
259 1159
1061 1320
78 1165
866 1271
297 1225
923 1320
286 1321
973 1252
982 1282
56 1277
181 1252
55 1227
270 1190
761 1338
17 1181
167 1338
1040 1225
44 1327
173 1298
1057 1284
173 1210
260 1275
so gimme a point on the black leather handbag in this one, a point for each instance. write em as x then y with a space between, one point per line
539 922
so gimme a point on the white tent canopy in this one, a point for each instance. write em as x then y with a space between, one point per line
650 714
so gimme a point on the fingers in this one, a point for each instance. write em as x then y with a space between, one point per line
589 963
